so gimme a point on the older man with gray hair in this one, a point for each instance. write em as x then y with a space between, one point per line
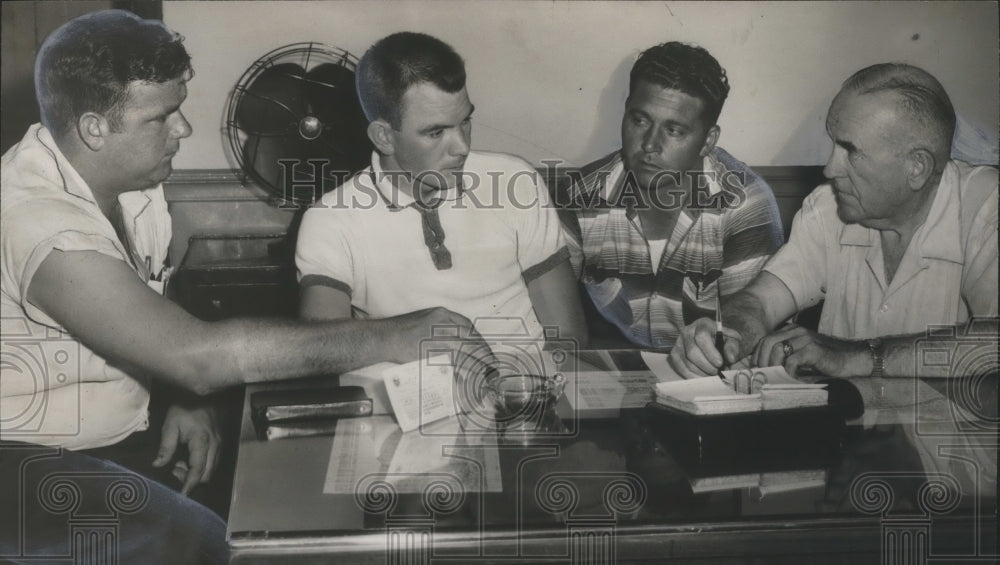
902 240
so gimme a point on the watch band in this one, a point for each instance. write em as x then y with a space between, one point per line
877 349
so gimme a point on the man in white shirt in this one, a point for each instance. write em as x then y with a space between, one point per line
431 222
84 231
901 245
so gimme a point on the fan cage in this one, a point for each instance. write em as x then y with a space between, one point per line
307 54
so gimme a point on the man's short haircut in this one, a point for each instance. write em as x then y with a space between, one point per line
88 63
397 62
687 68
921 98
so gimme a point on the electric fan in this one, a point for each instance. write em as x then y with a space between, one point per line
294 122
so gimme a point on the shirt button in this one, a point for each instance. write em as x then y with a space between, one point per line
884 308
436 246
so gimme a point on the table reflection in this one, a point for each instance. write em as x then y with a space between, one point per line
918 463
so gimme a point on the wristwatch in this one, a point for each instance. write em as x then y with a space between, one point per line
877 348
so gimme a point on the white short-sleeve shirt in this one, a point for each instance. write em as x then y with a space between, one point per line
947 275
53 389
500 230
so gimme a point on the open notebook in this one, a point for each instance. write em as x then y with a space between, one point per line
741 390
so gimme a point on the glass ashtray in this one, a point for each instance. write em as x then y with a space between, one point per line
520 394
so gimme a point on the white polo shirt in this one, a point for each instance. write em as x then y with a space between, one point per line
53 389
499 229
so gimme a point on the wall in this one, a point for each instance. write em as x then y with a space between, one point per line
549 78
25 26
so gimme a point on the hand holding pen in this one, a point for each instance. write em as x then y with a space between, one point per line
720 338
700 351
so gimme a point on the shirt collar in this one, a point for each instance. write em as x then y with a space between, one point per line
73 183
393 197
144 213
133 203
857 234
939 236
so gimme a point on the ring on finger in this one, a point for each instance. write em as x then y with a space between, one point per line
786 348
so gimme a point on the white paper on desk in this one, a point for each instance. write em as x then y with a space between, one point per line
376 449
660 366
603 394
441 450
370 379
356 450
421 391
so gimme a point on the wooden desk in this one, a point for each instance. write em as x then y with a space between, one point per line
915 482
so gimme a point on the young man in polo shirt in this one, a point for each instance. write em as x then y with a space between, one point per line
432 223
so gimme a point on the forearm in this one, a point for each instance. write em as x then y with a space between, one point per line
99 300
745 312
242 351
568 317
555 298
757 310
964 350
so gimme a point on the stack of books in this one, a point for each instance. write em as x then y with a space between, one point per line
281 414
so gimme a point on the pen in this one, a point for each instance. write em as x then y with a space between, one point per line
720 341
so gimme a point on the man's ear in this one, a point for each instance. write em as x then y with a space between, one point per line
380 132
710 140
93 130
919 168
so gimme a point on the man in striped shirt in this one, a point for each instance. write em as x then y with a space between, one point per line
670 222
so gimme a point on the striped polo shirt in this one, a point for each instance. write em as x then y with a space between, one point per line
721 240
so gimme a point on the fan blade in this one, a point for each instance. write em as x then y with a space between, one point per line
330 90
295 180
274 102
333 99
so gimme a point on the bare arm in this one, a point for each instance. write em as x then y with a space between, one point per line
556 300
749 315
956 351
100 300
971 347
318 302
757 310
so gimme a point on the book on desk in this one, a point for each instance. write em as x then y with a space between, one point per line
742 390
750 417
766 483
280 414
